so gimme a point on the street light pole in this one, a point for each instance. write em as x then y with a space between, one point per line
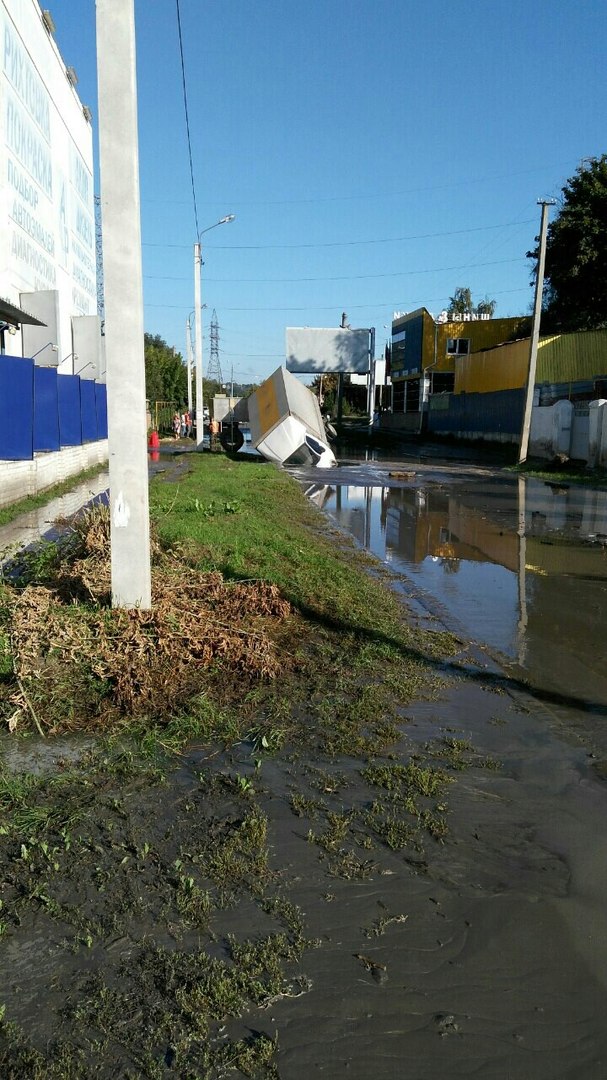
198 327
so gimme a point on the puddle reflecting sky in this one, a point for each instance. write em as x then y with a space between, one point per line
517 564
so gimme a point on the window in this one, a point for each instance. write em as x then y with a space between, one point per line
458 346
443 382
398 397
412 399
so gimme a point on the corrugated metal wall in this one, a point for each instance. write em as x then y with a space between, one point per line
562 359
568 357
504 368
499 413
483 334
42 411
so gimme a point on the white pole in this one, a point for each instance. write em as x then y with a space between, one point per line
198 345
127 427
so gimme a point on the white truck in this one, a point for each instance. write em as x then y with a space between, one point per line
285 421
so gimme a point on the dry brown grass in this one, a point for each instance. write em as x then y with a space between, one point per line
68 643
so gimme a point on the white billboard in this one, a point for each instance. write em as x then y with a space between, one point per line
47 218
311 350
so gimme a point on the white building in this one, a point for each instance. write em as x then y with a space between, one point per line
47 217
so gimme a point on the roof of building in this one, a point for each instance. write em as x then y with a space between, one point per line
14 315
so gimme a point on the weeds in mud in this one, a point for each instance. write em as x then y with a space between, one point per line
263 634
459 754
303 806
382 923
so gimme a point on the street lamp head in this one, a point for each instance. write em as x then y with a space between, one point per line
222 221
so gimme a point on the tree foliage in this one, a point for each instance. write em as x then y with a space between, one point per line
166 377
461 303
575 282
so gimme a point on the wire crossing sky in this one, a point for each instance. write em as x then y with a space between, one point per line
376 154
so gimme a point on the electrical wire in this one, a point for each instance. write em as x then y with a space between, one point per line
349 277
380 304
348 243
187 119
392 194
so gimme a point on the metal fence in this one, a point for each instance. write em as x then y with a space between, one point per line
497 413
43 411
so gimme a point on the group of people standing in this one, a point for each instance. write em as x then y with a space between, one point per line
182 425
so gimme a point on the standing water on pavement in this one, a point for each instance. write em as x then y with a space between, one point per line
517 564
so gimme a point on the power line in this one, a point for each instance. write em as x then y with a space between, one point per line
349 277
355 307
394 194
187 118
350 243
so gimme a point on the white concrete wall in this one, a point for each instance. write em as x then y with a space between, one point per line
551 430
19 479
561 429
597 433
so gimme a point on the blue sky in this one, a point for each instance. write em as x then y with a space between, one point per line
376 154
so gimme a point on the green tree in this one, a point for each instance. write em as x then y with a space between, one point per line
575 281
325 389
486 307
461 303
166 377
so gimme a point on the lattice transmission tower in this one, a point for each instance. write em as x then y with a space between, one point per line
214 369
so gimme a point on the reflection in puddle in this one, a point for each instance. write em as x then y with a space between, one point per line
518 564
30 527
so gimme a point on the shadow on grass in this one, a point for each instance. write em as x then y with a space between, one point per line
493 680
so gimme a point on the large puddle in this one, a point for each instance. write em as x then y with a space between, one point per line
517 564
40 523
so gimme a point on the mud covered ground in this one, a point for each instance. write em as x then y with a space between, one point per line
437 911
346 886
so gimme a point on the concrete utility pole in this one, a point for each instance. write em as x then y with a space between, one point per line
535 330
127 428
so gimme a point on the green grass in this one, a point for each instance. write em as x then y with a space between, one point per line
275 534
570 474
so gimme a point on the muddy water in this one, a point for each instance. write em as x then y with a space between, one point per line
518 565
30 527
483 955
500 967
